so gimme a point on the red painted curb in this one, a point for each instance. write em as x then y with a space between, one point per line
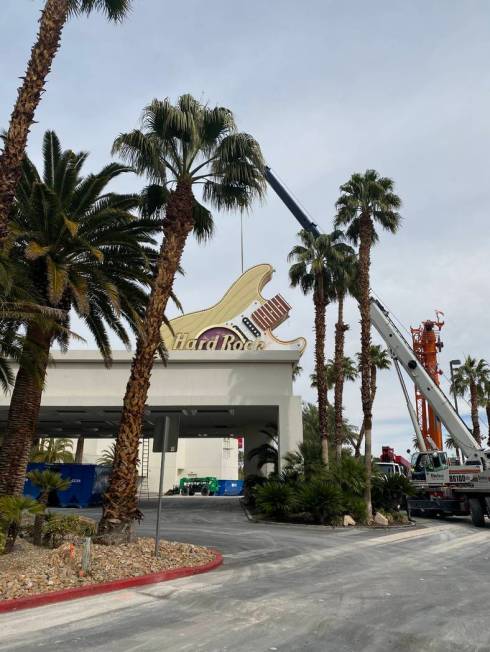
41 599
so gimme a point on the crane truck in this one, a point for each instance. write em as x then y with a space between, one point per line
443 489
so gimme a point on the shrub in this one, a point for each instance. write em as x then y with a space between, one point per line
47 481
356 507
12 510
322 499
57 527
349 474
251 482
275 498
389 492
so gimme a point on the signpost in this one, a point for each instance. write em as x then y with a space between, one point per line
165 440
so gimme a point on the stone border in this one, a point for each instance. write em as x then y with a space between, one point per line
73 593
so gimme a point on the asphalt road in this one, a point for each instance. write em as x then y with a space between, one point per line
286 588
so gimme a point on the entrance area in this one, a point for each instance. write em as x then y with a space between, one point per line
221 397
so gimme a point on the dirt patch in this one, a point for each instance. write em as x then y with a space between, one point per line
31 570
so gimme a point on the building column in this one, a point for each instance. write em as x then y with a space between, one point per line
290 427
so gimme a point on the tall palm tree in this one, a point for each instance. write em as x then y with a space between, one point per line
311 272
179 148
380 360
367 200
345 282
470 379
53 19
84 250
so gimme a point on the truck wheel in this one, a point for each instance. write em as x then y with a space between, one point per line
205 491
477 513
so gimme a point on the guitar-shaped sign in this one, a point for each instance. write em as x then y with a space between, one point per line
242 321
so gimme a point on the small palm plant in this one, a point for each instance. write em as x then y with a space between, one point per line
53 450
107 456
12 509
47 481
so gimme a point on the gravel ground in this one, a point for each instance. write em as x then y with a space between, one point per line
30 569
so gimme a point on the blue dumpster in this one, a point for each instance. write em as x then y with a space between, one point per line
88 483
230 488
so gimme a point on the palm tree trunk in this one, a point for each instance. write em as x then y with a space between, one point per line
360 438
474 412
51 23
79 450
340 329
24 411
365 234
321 385
120 506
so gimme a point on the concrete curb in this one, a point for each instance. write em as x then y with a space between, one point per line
41 599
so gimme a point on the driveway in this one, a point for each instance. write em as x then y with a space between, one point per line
287 588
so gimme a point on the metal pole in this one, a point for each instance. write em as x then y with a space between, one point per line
160 486
411 411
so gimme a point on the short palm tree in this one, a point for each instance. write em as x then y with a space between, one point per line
12 509
349 372
470 379
85 251
367 200
264 454
311 272
53 18
380 360
53 450
47 481
107 456
179 148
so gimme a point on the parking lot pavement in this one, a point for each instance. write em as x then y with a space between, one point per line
285 587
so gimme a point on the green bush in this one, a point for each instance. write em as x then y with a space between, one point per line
349 474
12 511
275 498
355 506
250 483
59 526
389 491
322 499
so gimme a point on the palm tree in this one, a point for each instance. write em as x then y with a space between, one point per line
311 272
349 372
47 481
12 509
178 148
367 200
53 18
53 450
107 456
345 282
379 361
265 454
484 402
470 378
84 250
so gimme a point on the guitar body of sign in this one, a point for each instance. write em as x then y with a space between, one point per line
241 321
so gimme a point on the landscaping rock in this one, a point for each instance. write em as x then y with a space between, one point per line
30 569
379 519
348 520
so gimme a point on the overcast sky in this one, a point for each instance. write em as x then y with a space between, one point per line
328 89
